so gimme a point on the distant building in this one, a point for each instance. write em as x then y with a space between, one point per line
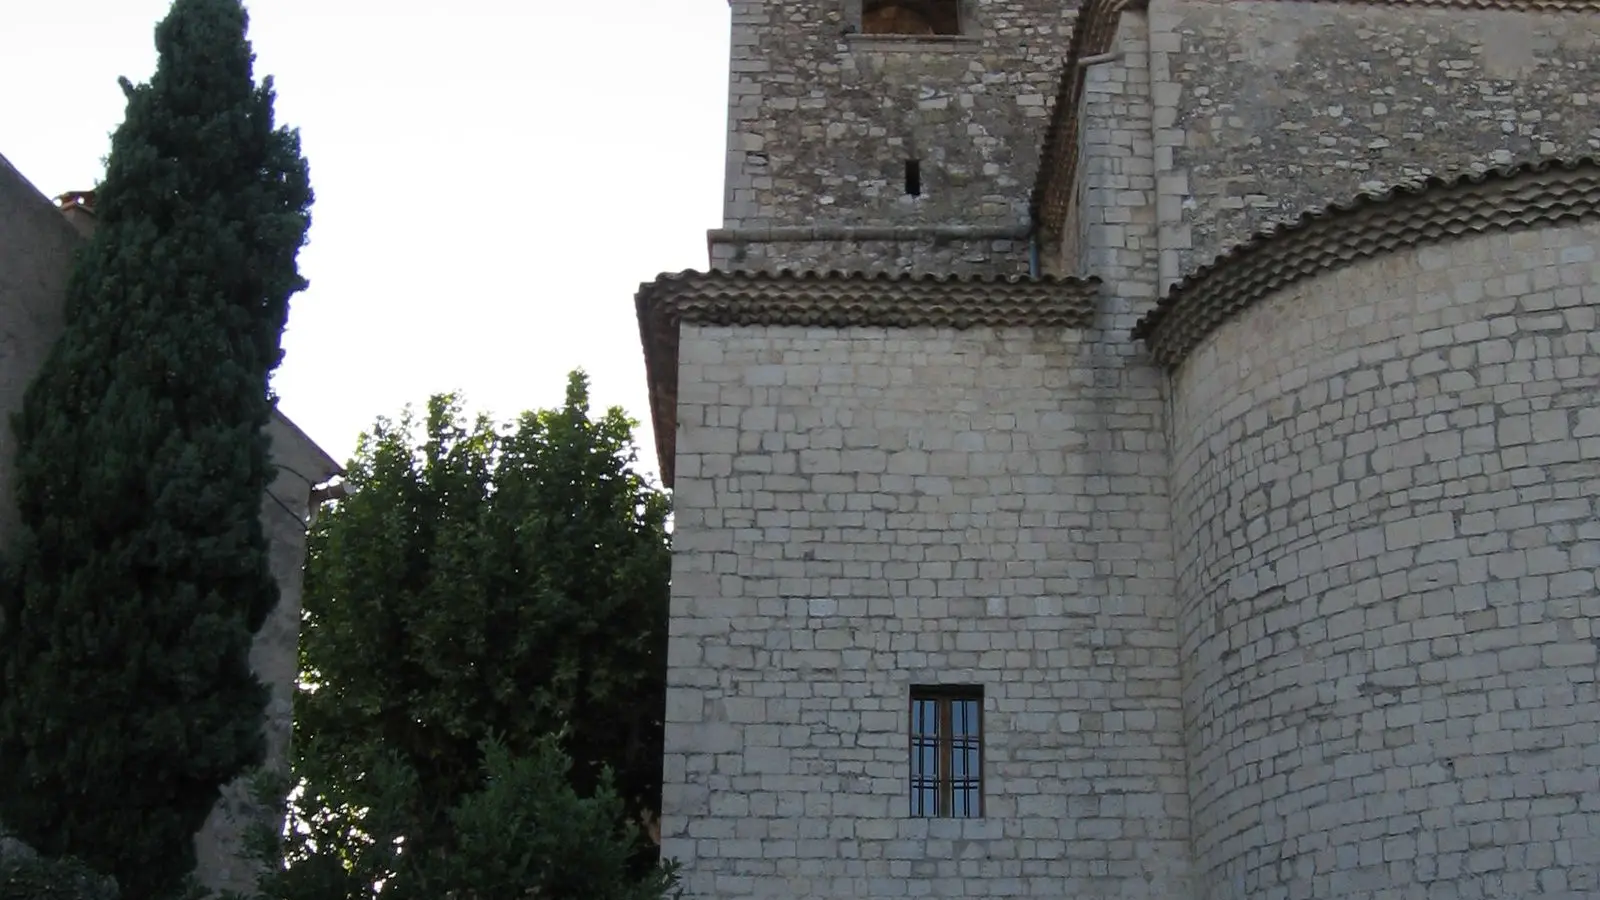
37 242
1140 451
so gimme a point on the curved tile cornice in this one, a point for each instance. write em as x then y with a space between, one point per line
834 300
1547 192
839 299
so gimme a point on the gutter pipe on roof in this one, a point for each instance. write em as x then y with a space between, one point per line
1099 58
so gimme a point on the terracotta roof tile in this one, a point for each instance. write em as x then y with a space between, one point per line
1541 193
839 298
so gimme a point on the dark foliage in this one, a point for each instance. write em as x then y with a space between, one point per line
126 696
24 875
522 832
480 584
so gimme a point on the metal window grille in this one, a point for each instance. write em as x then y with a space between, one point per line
947 752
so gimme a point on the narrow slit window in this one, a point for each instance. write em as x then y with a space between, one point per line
913 178
947 752
914 18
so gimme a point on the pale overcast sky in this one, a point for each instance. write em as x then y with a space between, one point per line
494 179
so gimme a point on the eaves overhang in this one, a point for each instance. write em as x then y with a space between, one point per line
834 299
1531 195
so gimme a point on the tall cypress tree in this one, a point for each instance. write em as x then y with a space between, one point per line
126 695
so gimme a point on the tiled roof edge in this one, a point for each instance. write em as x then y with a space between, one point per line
834 300
1532 194
658 335
841 299
1092 34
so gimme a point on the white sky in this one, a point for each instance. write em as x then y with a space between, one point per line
494 179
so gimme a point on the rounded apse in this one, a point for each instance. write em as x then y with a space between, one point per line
1386 480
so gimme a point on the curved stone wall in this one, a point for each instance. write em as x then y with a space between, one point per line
1386 481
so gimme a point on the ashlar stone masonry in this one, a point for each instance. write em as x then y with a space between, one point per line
1221 411
836 546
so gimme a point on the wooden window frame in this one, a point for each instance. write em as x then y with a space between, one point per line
944 741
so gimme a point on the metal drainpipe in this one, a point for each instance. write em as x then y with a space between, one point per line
1033 254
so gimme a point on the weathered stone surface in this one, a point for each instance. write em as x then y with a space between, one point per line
1380 491
835 299
1285 106
1056 190
864 509
823 120
1385 488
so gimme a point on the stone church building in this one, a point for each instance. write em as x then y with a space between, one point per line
1140 450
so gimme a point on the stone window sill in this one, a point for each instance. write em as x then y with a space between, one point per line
914 43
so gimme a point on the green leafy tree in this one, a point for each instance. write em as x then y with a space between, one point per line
24 875
126 695
40 879
523 832
479 582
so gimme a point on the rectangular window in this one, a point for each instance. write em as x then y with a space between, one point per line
947 752
911 17
913 178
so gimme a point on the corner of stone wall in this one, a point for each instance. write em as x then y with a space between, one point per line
745 70
1117 210
1171 182
1114 221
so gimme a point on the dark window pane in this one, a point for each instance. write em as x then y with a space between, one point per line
926 718
966 802
966 718
946 756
